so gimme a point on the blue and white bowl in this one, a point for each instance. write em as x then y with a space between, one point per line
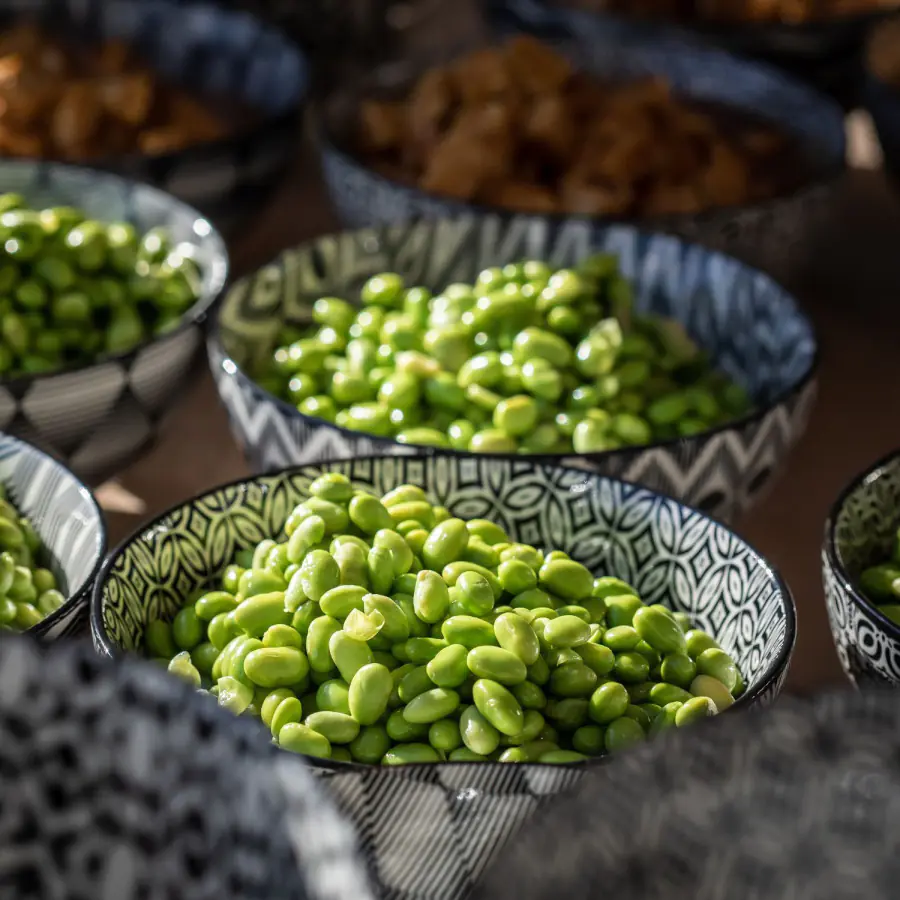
859 532
768 234
98 417
206 50
456 816
66 516
752 328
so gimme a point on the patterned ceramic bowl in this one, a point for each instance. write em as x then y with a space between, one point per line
859 533
826 52
771 234
120 782
70 525
751 327
458 815
207 50
97 417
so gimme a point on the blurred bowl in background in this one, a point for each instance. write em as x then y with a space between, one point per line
881 93
69 523
229 60
97 417
751 327
771 234
860 532
824 51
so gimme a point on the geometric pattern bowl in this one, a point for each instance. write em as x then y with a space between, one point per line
460 815
751 326
859 533
121 783
97 417
772 235
69 523
229 56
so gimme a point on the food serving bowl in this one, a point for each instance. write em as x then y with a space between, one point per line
97 417
751 327
463 812
207 51
769 234
151 791
68 521
881 92
825 51
859 533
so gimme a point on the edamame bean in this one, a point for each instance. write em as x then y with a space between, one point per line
498 706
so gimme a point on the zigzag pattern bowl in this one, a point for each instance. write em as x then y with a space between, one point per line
69 522
458 815
752 328
860 532
98 417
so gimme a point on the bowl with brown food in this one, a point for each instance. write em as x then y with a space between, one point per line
818 41
198 101
690 141
881 95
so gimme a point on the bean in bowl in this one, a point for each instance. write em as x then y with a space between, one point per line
527 359
388 631
73 289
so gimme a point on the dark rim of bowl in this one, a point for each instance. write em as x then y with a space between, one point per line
214 341
775 669
195 315
836 564
83 594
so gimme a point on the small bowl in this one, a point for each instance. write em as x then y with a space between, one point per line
204 49
858 533
98 417
152 792
751 326
770 234
881 98
71 527
825 52
670 553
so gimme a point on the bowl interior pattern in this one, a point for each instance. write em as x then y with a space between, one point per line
120 782
209 51
69 522
457 816
751 326
766 234
98 416
860 532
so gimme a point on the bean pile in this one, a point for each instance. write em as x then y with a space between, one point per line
525 360
28 592
72 289
388 631
881 583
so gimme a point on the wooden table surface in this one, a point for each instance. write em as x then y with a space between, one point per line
852 296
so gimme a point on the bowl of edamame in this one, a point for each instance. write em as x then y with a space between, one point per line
52 543
106 286
633 354
465 611
861 574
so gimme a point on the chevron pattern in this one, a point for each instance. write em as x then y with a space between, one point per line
429 832
860 532
752 328
69 522
96 418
